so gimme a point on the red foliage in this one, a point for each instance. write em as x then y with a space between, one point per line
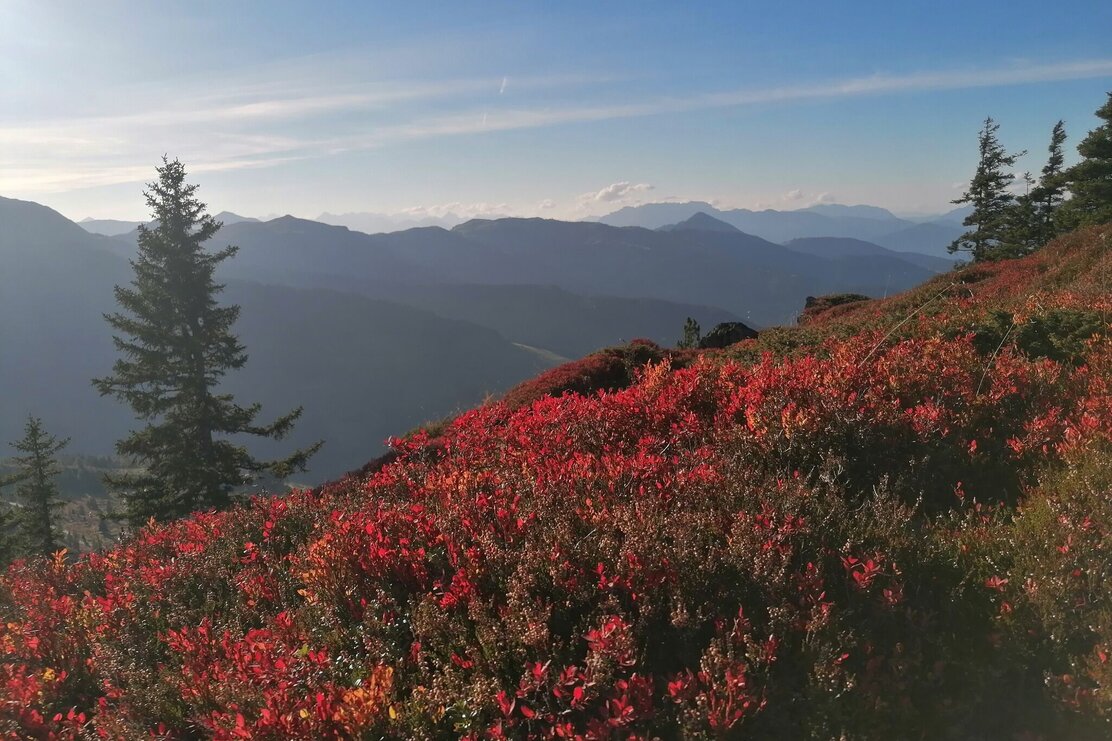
772 548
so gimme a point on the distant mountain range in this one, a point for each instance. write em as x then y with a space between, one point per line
375 333
107 227
363 368
828 247
115 227
871 223
928 235
372 223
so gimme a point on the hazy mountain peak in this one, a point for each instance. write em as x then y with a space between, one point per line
655 215
860 211
230 218
701 222
33 224
863 222
956 215
379 223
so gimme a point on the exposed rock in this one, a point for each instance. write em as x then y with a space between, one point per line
726 334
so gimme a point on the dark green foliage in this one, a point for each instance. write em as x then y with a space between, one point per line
1058 334
991 333
1060 540
1031 219
990 220
1049 195
176 345
7 527
691 335
1021 233
1090 180
37 489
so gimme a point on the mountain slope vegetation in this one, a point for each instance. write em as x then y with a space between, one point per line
363 368
890 521
417 302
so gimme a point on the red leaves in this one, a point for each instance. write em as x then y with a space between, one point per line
505 703
612 641
996 583
862 573
572 567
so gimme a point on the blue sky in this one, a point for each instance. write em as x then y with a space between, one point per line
561 109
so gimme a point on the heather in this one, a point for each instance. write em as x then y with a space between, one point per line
892 521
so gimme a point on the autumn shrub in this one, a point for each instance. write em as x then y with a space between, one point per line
1060 557
1058 334
888 530
609 369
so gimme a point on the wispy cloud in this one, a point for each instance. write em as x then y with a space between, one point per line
249 123
265 122
47 180
526 118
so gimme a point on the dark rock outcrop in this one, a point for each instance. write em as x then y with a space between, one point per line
726 334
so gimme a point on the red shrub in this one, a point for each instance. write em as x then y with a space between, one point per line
823 545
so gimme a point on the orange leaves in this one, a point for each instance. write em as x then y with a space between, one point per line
357 707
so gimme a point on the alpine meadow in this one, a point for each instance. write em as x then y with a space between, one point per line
628 372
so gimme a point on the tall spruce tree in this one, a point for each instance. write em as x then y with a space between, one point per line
1032 217
991 219
1090 180
36 488
176 344
1022 220
1049 195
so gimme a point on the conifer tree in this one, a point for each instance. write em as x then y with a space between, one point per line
692 333
176 344
1090 180
1021 234
1047 197
36 489
7 525
991 220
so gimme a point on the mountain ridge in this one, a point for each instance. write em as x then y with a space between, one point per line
869 223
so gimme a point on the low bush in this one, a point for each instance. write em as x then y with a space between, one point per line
886 532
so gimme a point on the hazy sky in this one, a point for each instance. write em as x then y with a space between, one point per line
561 109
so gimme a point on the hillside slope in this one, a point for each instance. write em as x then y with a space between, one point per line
546 316
891 521
362 368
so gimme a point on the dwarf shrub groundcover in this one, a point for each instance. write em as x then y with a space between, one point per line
884 533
